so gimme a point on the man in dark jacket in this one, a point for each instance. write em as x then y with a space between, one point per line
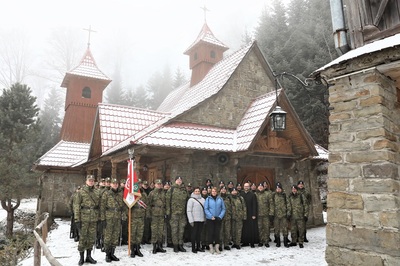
249 232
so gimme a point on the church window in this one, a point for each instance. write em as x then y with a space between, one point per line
86 93
212 54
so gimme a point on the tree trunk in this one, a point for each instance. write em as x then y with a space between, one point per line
7 205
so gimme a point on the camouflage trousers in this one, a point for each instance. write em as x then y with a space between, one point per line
281 225
112 232
87 236
237 226
263 229
226 235
157 229
177 222
137 228
297 230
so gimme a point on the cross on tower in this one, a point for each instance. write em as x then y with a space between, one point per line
90 31
205 12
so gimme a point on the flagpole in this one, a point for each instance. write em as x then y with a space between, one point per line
131 183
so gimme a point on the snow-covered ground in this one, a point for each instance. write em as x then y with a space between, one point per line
65 251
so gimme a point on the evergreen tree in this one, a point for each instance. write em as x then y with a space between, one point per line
179 79
298 41
19 131
115 92
158 87
139 98
50 121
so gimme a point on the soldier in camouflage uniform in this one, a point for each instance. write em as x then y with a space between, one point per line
176 199
226 228
74 233
298 209
307 196
86 213
112 211
263 202
124 222
279 214
138 215
167 235
100 232
239 213
157 213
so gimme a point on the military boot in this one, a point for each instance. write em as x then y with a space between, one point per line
176 248
278 241
113 257
305 236
133 250
89 257
138 251
181 248
108 255
160 248
155 247
285 241
82 259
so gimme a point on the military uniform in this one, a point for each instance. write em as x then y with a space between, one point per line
298 209
112 211
239 213
279 213
157 213
226 235
138 215
176 199
100 232
307 196
86 213
263 201
74 233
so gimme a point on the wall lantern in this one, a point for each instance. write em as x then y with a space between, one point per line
278 116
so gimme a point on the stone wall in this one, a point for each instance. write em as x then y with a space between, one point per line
363 199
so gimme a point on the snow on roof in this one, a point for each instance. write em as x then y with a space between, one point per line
207 36
86 68
118 122
366 49
65 154
323 154
210 85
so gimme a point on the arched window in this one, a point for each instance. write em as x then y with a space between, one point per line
212 54
86 93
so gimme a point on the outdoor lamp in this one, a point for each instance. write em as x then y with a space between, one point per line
278 116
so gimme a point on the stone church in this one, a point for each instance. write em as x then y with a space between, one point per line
364 161
217 126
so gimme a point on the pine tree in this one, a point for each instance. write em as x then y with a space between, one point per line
179 79
18 137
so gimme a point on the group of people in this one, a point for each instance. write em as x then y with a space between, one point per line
216 218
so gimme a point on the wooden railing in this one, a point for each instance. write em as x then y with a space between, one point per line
40 243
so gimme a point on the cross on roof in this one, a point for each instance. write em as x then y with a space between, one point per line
90 31
205 12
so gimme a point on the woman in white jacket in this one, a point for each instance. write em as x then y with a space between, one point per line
196 217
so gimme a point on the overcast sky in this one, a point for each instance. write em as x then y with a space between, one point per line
150 34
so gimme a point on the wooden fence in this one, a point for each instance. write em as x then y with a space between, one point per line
40 243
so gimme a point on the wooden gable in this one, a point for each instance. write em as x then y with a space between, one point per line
294 141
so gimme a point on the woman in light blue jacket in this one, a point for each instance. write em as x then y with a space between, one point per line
196 218
214 208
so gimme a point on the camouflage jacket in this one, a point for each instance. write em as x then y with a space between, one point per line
306 193
176 199
298 206
139 211
156 201
239 210
279 205
263 202
87 205
112 205
228 205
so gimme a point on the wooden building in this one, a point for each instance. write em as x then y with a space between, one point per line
217 126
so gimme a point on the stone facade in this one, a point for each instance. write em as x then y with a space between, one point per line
364 183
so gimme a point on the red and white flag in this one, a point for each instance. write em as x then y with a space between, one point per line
131 191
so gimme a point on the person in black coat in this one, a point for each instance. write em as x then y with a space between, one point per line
249 231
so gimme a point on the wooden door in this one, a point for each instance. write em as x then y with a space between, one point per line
256 175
